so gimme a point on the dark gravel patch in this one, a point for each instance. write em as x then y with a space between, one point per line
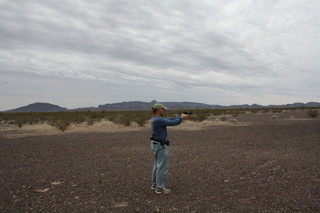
271 166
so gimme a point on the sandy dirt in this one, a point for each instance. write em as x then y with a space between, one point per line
256 164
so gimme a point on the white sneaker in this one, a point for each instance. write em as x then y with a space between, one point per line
162 191
153 187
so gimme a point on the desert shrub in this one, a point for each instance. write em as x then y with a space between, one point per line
120 119
43 117
97 116
266 110
199 116
276 110
142 117
90 122
235 113
216 112
21 121
312 113
61 120
79 118
25 118
253 111
126 117
141 121
124 120
112 118
61 124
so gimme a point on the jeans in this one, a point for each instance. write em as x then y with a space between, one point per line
161 164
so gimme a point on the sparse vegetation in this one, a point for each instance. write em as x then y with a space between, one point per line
61 120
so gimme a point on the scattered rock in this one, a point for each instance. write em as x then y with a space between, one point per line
121 204
42 190
56 183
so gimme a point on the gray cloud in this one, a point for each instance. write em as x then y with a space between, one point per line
218 52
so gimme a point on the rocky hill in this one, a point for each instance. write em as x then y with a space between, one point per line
39 107
139 105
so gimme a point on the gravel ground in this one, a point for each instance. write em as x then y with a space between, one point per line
257 164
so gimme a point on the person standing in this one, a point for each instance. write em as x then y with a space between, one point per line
159 146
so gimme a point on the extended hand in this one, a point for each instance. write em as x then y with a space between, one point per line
184 116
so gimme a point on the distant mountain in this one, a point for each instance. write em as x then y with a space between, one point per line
85 109
124 106
139 105
39 107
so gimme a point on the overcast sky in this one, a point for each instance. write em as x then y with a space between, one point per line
81 53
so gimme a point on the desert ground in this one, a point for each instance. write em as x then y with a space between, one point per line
256 164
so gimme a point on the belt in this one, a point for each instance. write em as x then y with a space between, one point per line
162 141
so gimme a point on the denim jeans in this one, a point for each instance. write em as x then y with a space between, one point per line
161 163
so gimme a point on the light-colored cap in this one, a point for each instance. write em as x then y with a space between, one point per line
158 106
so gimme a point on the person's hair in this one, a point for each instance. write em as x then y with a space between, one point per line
154 110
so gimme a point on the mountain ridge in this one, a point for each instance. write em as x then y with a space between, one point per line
140 105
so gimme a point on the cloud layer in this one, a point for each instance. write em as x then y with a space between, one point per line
216 52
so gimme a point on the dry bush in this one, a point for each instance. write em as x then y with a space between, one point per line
61 124
312 113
